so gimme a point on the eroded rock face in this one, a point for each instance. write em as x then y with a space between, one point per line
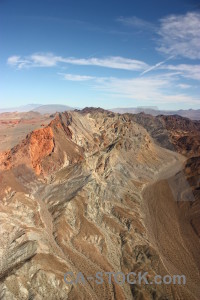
44 150
41 145
71 200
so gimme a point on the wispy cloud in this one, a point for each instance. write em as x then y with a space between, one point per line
136 22
114 62
50 60
13 60
184 86
151 90
148 90
185 70
17 61
34 60
180 35
75 77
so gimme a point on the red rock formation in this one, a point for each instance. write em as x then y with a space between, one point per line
41 145
35 149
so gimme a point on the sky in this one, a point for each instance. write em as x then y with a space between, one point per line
100 53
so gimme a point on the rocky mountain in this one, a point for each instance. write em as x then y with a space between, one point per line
172 132
93 191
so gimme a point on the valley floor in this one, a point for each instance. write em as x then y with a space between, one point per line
169 231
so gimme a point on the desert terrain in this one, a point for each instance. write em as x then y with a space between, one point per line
95 191
14 126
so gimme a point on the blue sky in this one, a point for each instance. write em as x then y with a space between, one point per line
100 53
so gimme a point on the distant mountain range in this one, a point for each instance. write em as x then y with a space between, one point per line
42 109
24 108
189 113
52 108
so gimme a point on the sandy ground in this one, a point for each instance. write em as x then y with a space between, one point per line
15 126
171 235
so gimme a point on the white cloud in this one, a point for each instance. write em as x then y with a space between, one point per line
44 60
136 23
34 60
50 60
136 88
185 70
73 77
180 35
17 61
184 86
154 90
13 60
115 62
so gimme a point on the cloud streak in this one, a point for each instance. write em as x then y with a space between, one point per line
156 65
75 77
50 60
136 22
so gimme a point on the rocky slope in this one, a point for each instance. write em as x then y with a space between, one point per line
72 199
182 135
172 132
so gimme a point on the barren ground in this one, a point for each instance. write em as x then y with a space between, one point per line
170 233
